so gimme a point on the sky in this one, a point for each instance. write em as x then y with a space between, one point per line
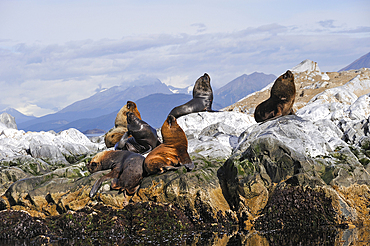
53 53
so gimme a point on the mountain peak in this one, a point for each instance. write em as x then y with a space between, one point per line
240 87
362 62
306 66
19 117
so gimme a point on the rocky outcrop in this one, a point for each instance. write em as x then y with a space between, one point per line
309 81
8 121
247 174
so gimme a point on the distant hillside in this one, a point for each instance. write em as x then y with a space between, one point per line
187 90
155 100
363 61
240 87
113 97
153 110
100 104
19 117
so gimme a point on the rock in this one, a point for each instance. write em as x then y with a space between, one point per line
53 193
9 175
214 135
64 147
306 66
232 123
353 131
297 133
8 121
48 153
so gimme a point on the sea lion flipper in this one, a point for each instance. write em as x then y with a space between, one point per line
98 183
122 142
148 150
95 188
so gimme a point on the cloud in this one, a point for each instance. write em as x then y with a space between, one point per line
200 27
327 24
360 29
39 78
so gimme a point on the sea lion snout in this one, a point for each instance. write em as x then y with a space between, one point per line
130 104
170 120
287 74
92 166
130 116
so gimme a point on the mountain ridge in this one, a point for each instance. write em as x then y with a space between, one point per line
231 92
362 62
106 104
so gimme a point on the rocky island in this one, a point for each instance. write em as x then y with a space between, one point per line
306 173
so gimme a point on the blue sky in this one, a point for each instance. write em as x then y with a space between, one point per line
53 53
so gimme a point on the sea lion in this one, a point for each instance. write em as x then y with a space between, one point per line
172 153
120 124
113 136
202 99
281 99
144 137
121 120
127 170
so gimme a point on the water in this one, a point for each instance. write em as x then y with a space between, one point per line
353 237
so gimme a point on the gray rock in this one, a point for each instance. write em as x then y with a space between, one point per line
48 153
9 175
28 164
8 120
354 130
301 135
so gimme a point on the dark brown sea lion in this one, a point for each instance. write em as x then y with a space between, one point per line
202 99
281 99
172 153
116 133
144 137
127 170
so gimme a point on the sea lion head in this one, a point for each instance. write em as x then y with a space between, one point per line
284 87
133 122
172 132
104 160
203 87
114 135
170 120
120 120
131 105
286 79
95 164
288 75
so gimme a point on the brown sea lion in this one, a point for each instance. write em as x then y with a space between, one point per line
281 99
144 137
127 170
202 99
116 133
121 120
172 153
